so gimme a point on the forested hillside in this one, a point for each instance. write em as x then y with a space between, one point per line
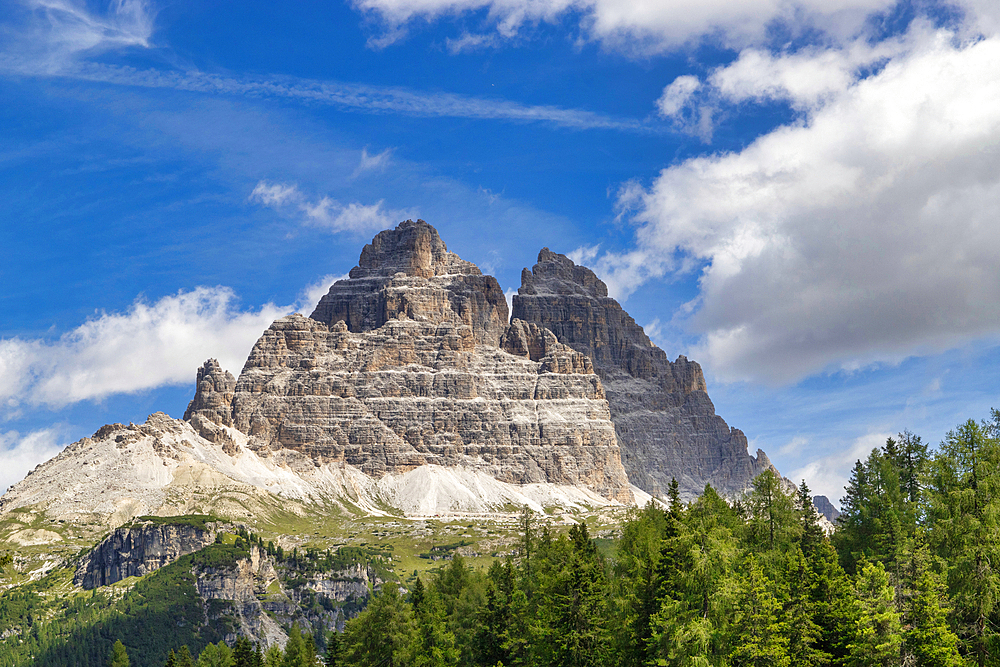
911 576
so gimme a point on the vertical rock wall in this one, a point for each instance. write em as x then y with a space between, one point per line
665 421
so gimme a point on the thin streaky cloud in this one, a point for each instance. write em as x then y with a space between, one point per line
345 96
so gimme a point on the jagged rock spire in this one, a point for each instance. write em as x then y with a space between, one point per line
213 395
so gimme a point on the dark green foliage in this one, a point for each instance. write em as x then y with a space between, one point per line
383 634
119 656
964 493
637 581
572 605
199 521
161 613
334 651
245 654
761 639
184 658
878 638
221 556
928 637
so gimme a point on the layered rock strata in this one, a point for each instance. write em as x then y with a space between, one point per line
665 422
410 362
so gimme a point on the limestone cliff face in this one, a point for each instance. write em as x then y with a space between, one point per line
409 272
665 422
409 362
213 397
137 550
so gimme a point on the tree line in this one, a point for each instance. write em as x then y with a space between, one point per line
910 576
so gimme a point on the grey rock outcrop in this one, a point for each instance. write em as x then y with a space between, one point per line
665 422
410 361
213 396
137 550
826 508
236 592
212 405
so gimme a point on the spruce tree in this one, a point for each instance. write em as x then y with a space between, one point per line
573 603
434 645
334 650
383 634
772 521
833 600
812 532
803 632
119 656
695 567
295 649
964 492
637 559
877 640
490 645
928 637
243 653
272 657
184 658
760 638
855 534
215 655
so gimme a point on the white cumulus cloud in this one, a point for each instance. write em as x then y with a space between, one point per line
22 453
150 345
827 476
676 95
864 232
635 26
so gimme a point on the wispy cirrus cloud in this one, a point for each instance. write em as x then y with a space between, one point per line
351 97
56 33
326 212
377 162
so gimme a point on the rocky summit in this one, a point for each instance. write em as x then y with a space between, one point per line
665 421
407 390
411 362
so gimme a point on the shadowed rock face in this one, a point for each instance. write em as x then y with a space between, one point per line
665 422
410 361
826 508
134 551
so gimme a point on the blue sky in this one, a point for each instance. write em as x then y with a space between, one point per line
802 195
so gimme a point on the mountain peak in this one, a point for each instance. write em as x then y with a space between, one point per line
558 274
414 248
408 273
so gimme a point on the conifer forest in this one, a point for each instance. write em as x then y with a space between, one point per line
909 576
